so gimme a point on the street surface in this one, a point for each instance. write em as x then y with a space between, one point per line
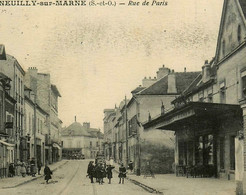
71 179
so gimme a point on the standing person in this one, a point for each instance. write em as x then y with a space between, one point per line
18 167
130 165
100 173
23 170
39 167
33 167
11 170
122 173
109 173
90 170
47 173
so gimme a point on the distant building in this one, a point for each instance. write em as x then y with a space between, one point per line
125 139
80 139
41 128
47 96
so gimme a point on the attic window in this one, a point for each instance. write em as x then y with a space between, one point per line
239 37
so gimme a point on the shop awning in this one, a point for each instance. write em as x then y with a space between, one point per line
55 145
6 143
193 111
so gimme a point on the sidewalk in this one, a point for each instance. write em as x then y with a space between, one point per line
12 182
170 184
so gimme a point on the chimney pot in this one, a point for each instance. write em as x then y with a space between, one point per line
149 77
206 61
184 69
163 65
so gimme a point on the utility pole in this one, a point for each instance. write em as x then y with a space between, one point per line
126 133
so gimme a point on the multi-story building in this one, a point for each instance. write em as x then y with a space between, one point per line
7 135
152 98
207 118
47 96
35 122
80 140
12 69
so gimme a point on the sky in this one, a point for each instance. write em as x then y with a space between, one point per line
97 55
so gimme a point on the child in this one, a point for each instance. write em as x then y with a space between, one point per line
122 173
109 173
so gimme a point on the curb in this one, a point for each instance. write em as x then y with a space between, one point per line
33 179
145 187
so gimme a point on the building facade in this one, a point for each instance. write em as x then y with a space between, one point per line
7 134
35 122
12 69
124 136
47 96
78 140
207 117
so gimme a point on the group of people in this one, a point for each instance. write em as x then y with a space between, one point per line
101 170
23 169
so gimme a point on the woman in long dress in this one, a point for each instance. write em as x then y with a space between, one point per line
47 173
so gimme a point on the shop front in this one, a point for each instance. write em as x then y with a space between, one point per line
205 138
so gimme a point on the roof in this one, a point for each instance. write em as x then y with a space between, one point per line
138 89
180 116
243 6
76 129
160 87
54 88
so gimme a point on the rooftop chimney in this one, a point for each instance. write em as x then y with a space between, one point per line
184 69
163 71
75 118
2 52
86 125
147 82
206 68
171 83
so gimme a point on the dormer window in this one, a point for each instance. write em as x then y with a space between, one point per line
239 37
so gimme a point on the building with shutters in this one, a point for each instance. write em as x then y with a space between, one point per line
209 116
78 140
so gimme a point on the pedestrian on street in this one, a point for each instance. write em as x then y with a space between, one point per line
39 167
122 173
18 167
100 173
130 165
33 167
28 169
23 170
11 170
47 173
90 171
109 173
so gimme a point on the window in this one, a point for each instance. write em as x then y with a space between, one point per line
232 152
200 96
222 93
239 33
90 144
243 76
222 153
223 47
210 94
